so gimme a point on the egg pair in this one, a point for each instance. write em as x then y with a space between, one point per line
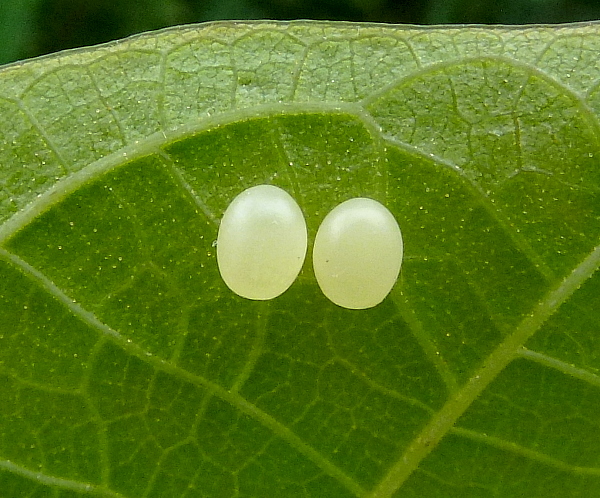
262 243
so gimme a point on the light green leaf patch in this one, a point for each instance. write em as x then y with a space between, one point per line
127 367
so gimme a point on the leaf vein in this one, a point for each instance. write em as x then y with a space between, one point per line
58 482
517 449
159 364
506 352
561 366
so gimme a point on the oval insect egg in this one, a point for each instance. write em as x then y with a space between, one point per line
262 242
358 253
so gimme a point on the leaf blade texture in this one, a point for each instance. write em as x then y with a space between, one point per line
129 369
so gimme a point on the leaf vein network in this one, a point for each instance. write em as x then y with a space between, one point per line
231 397
445 419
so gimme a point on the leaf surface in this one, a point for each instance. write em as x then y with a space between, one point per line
127 367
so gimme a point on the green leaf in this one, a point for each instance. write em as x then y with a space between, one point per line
127 367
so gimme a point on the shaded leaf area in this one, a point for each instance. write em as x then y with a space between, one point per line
129 369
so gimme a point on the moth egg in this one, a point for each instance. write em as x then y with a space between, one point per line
358 253
261 244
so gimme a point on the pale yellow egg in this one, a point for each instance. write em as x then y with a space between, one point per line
262 242
358 253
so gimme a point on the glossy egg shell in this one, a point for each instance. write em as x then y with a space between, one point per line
357 253
262 242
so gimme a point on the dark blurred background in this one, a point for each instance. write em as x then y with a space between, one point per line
34 27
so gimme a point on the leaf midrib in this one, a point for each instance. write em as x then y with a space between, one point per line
443 422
